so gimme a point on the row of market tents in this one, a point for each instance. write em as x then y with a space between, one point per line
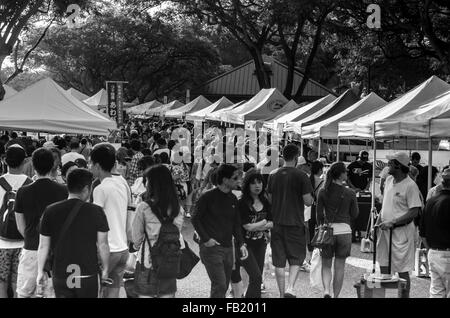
422 112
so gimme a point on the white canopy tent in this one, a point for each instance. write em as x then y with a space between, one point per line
262 105
306 110
216 115
9 91
327 128
142 108
424 122
77 94
201 114
345 100
286 109
47 107
161 110
423 93
97 101
195 105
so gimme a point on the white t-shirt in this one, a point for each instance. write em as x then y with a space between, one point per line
16 181
399 198
71 156
160 151
114 196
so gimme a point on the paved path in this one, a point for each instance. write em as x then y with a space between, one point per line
197 284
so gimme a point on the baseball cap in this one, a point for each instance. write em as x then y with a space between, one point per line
446 174
301 160
363 154
401 157
49 144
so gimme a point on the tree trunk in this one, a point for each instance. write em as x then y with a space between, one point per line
261 74
290 76
310 60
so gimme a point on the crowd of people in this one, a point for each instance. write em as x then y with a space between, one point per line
82 209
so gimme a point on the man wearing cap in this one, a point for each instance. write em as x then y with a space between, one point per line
360 172
401 204
434 230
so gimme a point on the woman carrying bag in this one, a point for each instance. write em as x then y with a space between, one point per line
337 206
161 204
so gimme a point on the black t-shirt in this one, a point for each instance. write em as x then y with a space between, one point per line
249 215
31 201
359 174
217 216
80 241
287 186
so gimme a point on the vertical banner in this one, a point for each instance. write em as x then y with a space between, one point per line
119 103
111 107
114 107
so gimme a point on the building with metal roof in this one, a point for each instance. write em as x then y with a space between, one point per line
241 83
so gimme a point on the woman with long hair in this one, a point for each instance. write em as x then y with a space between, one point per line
316 182
337 206
161 204
256 221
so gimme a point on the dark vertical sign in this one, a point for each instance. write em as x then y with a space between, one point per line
115 101
119 103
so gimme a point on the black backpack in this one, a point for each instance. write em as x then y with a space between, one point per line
166 252
8 225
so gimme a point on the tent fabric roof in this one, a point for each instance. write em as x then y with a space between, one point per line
328 127
47 107
337 106
201 114
216 116
287 108
307 109
197 104
262 105
142 108
426 91
164 108
9 91
77 94
97 100
416 123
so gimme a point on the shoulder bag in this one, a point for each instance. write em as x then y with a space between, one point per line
323 236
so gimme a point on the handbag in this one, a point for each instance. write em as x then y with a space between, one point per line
323 237
188 261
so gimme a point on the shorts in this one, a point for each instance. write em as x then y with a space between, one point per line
147 284
27 275
288 243
117 264
9 262
341 248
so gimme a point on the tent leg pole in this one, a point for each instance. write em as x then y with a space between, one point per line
372 204
320 147
301 147
337 149
430 162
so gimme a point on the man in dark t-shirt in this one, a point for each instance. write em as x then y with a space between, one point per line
30 203
75 262
360 172
290 190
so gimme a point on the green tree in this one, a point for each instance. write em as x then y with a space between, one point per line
154 57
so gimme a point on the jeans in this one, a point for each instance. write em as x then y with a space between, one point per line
218 262
440 273
88 288
254 265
